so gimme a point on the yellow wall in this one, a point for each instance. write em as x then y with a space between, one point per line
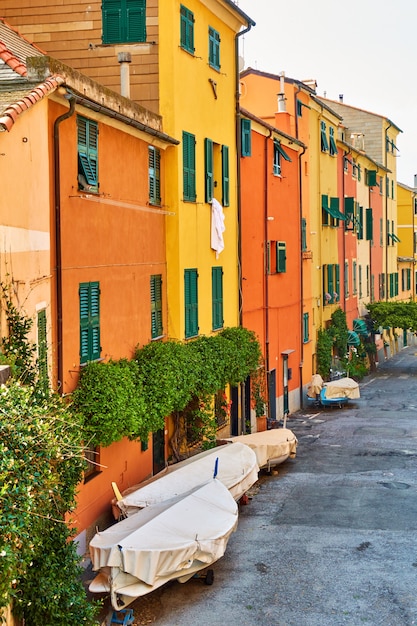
208 112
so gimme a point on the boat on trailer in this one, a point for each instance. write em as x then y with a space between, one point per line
271 447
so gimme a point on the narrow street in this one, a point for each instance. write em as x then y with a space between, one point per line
330 539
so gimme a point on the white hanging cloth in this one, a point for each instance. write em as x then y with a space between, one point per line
217 227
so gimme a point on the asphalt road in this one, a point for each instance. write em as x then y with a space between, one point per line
331 539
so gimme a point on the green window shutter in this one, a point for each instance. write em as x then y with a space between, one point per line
186 29
332 147
188 155
336 294
303 234
89 294
369 225
354 277
325 209
246 139
330 285
112 21
225 176
299 108
87 136
214 48
42 349
136 20
388 233
124 21
359 229
191 303
360 280
208 166
387 187
306 331
371 178
334 211
154 176
349 206
281 257
346 279
396 283
156 306
217 297
323 138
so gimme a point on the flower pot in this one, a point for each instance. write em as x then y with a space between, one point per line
261 423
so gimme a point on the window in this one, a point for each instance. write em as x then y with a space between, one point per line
331 214
42 349
369 225
354 170
359 223
225 176
331 283
191 302
387 187
87 134
346 164
245 131
90 349
299 108
208 167
124 21
349 206
303 234
92 456
154 176
281 256
367 279
214 48
381 286
188 157
156 306
187 29
381 232
360 280
217 297
346 279
354 277
370 178
323 137
306 337
279 153
332 147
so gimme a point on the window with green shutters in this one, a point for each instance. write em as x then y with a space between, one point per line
217 297
367 279
369 225
156 306
346 279
370 178
349 206
281 257
306 330
354 277
188 157
186 29
225 177
89 294
42 349
245 135
359 224
124 21
87 145
323 138
332 146
279 154
214 48
154 176
360 280
191 302
408 278
208 167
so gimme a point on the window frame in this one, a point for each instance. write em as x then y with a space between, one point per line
87 151
129 21
217 321
154 170
157 327
191 303
189 166
246 137
89 310
187 29
214 48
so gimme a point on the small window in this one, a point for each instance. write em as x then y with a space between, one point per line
89 294
369 225
306 331
42 350
279 154
346 279
299 108
186 29
208 167
245 129
217 297
156 306
214 48
154 176
371 178
345 164
332 147
281 256
225 176
191 302
323 138
359 223
124 21
188 155
92 458
303 234
87 134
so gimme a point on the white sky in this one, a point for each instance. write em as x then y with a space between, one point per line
363 49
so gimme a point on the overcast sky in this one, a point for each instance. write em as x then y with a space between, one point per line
363 49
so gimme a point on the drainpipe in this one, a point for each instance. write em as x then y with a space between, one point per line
57 237
386 215
266 278
300 202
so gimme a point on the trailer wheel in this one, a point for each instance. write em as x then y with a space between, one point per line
209 579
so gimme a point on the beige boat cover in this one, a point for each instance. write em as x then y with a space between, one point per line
342 388
165 541
270 446
315 386
237 470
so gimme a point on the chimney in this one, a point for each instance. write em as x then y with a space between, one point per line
124 58
415 181
281 95
340 97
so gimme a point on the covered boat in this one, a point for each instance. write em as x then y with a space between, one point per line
166 541
271 447
339 392
236 468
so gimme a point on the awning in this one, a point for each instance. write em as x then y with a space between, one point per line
360 327
353 338
282 151
333 208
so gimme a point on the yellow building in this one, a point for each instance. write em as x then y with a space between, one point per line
407 244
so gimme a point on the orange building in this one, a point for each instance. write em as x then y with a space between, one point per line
101 282
271 242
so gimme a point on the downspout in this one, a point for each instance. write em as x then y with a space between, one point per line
300 202
386 216
57 237
266 279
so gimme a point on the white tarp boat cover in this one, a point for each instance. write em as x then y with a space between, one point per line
270 446
237 469
166 541
342 388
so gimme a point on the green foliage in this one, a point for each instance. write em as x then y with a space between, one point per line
356 367
394 314
324 353
339 332
41 464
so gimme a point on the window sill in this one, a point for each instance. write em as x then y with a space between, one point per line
92 361
158 338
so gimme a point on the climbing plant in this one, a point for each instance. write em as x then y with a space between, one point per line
339 332
324 352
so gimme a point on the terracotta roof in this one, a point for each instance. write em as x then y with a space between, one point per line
25 99
14 48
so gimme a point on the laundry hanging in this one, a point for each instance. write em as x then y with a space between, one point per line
217 227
